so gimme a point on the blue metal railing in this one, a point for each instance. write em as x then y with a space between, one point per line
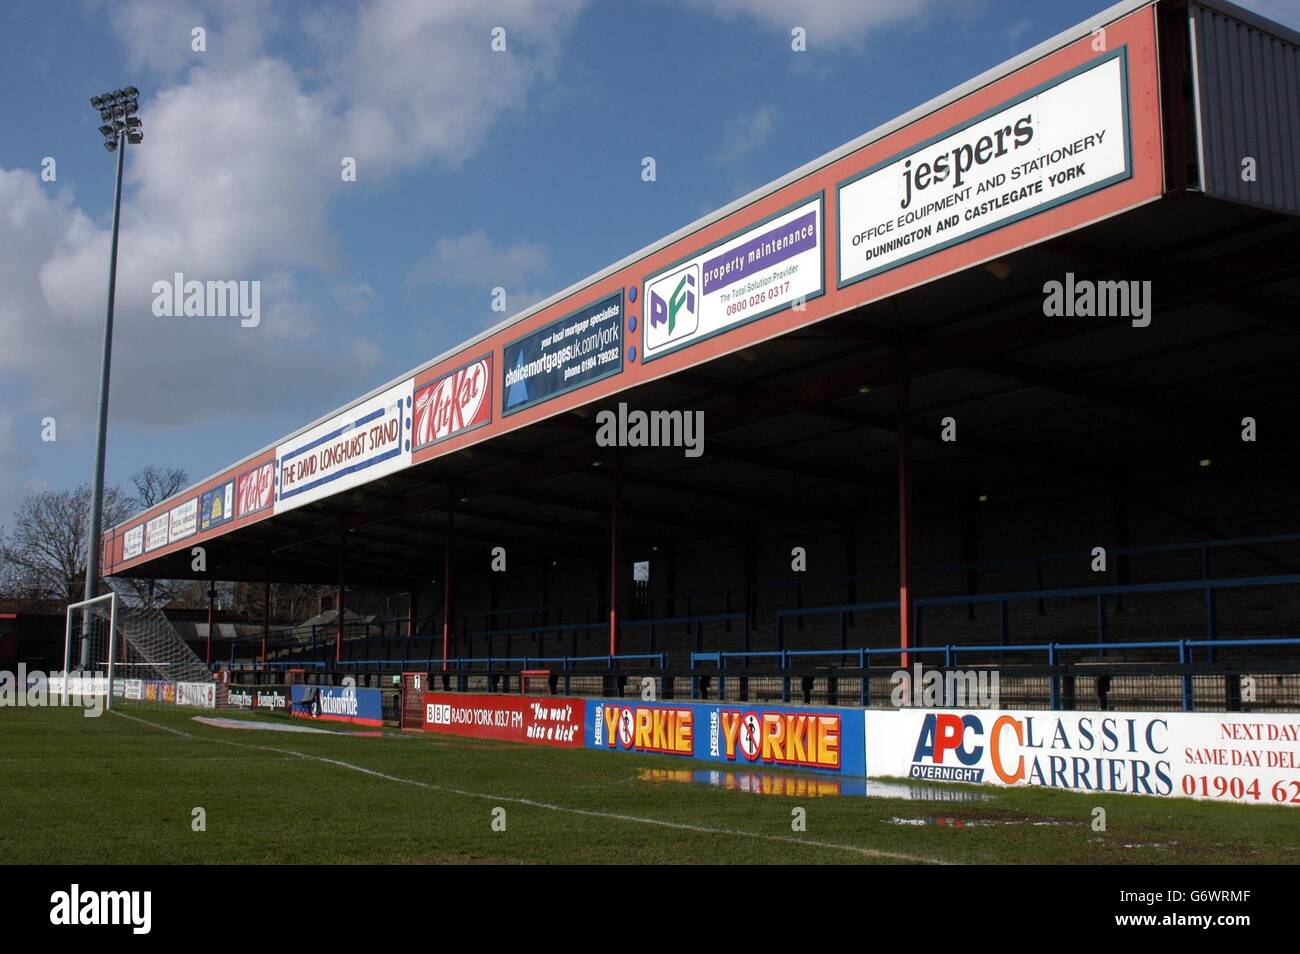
1051 650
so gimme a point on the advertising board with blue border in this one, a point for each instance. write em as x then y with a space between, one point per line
217 506
364 442
772 265
1050 145
747 735
580 348
337 704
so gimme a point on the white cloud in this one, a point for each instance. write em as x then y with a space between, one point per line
423 81
830 23
745 134
235 181
474 259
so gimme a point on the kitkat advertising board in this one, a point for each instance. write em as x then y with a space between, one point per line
453 404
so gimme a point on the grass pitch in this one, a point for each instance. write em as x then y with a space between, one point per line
121 790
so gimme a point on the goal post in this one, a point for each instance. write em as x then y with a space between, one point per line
133 653
88 617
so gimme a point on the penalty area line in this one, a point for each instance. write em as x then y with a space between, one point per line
564 809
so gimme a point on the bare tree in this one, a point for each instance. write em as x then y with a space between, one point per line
45 553
153 485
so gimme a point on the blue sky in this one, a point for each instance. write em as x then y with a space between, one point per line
474 170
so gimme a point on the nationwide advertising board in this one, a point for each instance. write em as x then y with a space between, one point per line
739 734
453 404
1048 146
767 268
538 719
337 704
1241 757
579 348
216 506
363 443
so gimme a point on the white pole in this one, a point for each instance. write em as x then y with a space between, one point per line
112 645
67 653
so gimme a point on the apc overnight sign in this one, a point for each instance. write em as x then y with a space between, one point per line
1052 145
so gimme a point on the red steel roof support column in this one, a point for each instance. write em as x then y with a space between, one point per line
338 601
266 615
212 593
615 545
446 586
904 510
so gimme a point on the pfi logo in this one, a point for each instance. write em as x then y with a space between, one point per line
674 307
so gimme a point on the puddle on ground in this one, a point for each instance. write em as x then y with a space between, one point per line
807 786
942 822
977 823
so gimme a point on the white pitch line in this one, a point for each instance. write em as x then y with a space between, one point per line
547 806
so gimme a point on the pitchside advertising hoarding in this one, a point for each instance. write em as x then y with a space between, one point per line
777 263
827 740
824 740
364 442
1240 757
580 348
337 704
453 404
1051 145
537 719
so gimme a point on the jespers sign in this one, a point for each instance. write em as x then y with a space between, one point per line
1050 146
455 403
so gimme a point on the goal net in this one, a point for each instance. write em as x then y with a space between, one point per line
131 652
